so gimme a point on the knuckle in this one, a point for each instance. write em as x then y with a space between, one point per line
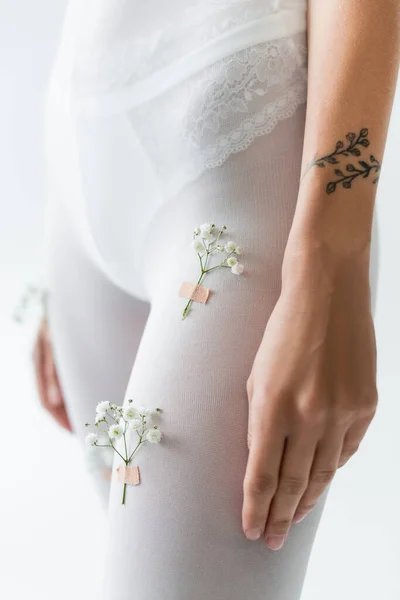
279 526
349 450
369 407
305 507
262 483
322 476
343 416
312 411
292 485
354 407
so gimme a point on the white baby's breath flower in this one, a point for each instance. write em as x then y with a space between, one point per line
102 407
91 439
135 424
129 413
230 247
237 269
231 261
153 435
198 246
206 228
150 412
207 236
206 231
206 245
116 431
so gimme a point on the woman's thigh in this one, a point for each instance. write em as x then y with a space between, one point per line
96 329
179 535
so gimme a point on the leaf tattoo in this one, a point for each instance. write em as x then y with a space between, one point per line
351 149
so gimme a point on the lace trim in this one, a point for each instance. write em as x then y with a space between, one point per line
220 111
236 89
255 126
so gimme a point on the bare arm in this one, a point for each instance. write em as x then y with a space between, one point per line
354 48
312 389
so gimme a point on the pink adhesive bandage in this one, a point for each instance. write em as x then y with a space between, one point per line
129 475
194 291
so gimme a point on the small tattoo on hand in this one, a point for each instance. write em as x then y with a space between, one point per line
350 172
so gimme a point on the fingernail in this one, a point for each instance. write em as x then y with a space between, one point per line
53 395
275 542
299 518
253 534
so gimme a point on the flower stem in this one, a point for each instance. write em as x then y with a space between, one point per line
189 302
131 456
124 494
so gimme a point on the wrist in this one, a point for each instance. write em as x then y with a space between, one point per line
311 264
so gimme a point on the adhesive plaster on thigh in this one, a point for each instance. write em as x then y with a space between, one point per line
129 475
194 291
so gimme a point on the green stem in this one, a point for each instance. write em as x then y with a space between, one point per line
114 448
189 302
130 458
124 494
204 269
126 450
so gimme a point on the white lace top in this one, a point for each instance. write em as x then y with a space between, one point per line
157 92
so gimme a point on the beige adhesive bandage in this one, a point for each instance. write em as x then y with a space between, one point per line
129 475
194 291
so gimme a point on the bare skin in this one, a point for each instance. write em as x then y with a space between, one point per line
312 388
50 393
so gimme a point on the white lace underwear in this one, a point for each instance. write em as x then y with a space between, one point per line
146 96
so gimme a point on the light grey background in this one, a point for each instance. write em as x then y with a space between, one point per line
53 530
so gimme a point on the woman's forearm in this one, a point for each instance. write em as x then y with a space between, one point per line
352 72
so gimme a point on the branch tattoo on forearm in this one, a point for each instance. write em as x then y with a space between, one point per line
351 171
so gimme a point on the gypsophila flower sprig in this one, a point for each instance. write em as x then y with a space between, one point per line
34 296
206 243
113 423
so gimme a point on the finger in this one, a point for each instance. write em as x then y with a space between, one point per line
293 480
53 389
352 440
323 469
54 401
61 416
261 476
249 388
54 393
38 361
47 376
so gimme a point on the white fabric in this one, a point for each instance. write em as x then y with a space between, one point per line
162 116
154 94
179 536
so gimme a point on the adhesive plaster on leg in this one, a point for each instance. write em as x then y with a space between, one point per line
129 475
194 291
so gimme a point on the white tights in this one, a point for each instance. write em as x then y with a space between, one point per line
179 535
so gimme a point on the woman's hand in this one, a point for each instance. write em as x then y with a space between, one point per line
50 393
312 395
